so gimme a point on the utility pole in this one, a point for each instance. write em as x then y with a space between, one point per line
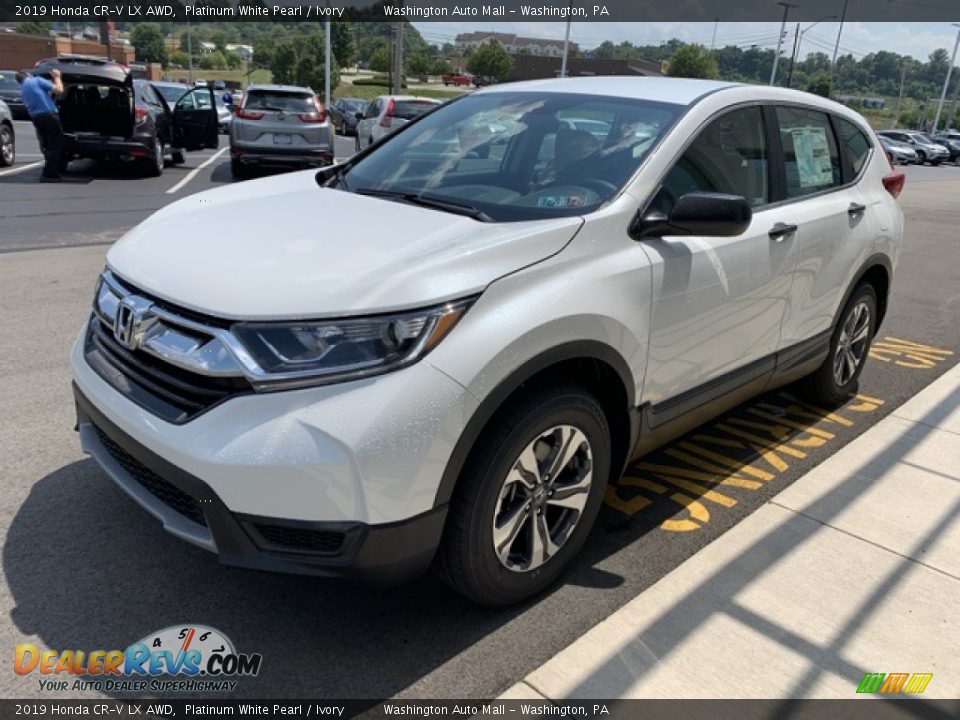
946 83
793 55
836 48
566 47
713 42
189 53
903 79
398 59
326 63
783 28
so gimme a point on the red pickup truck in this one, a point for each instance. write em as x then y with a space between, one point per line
456 79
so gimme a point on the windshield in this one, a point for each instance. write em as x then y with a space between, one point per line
517 156
279 100
409 109
171 93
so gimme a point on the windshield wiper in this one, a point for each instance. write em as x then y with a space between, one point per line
430 201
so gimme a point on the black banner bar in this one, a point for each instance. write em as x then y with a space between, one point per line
914 708
899 11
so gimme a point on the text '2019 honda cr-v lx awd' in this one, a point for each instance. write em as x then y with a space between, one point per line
521 308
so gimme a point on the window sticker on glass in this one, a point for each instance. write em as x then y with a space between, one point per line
562 201
813 156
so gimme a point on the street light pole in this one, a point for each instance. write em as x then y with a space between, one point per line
798 41
946 83
783 27
566 47
326 62
713 42
189 53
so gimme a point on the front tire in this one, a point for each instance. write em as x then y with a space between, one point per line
527 497
838 377
8 150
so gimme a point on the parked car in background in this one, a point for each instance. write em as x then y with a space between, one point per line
484 80
170 91
898 153
344 114
927 150
200 82
454 382
456 79
219 85
951 141
386 113
8 137
279 126
10 94
106 114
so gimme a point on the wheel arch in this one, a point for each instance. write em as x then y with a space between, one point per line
599 367
878 271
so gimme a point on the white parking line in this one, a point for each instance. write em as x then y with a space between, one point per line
15 170
193 173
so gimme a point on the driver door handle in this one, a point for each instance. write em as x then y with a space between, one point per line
779 231
856 209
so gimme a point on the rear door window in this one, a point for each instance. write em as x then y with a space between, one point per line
810 151
856 145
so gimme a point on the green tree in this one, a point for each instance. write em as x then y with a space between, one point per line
380 60
342 44
820 84
442 66
309 70
284 63
34 28
693 61
234 61
148 41
213 61
179 58
492 60
419 65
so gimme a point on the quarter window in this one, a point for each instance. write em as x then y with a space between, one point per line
730 156
855 144
810 151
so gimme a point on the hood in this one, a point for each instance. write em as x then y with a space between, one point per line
283 247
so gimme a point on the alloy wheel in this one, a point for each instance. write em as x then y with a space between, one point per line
6 146
852 344
542 498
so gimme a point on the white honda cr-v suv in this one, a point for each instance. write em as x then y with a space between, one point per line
440 351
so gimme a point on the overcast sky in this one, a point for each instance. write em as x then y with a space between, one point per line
916 39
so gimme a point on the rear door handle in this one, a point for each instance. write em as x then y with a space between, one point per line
779 231
856 209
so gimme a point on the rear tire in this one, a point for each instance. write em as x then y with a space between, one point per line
239 170
494 503
8 149
155 166
838 377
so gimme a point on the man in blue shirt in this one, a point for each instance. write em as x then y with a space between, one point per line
36 92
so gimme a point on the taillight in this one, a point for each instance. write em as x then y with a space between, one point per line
317 116
894 181
247 115
387 116
141 115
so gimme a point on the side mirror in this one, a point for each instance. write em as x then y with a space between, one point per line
701 213
358 115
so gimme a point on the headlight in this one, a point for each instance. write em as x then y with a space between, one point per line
328 350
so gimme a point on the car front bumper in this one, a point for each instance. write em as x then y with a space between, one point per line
338 481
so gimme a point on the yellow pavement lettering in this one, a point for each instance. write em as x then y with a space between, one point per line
908 354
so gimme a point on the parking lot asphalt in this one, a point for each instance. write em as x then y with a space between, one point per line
84 568
97 203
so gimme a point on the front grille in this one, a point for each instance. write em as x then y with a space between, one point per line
171 496
174 394
300 539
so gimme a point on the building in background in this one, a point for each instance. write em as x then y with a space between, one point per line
19 51
514 44
529 67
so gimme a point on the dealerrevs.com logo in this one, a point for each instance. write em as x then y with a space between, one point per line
182 658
